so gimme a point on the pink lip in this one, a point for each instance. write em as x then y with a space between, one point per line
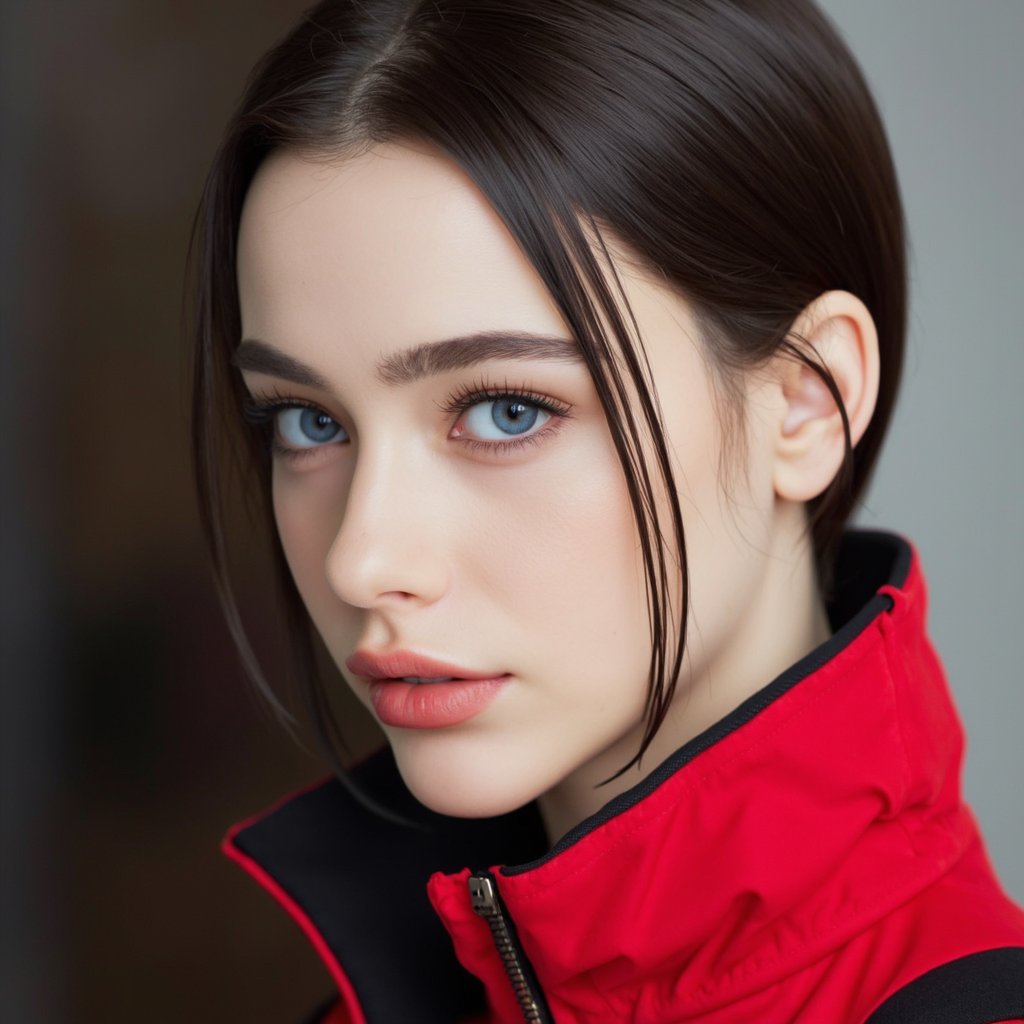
423 705
397 664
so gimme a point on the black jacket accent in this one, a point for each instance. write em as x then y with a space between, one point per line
976 989
390 923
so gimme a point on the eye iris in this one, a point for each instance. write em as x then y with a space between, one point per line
317 426
513 416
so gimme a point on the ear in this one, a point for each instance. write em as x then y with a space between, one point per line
809 438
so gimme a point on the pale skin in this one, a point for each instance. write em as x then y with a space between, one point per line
411 528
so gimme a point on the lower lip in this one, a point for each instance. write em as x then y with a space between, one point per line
432 705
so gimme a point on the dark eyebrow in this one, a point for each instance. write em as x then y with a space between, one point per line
259 357
432 358
412 364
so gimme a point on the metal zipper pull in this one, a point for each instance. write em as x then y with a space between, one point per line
487 903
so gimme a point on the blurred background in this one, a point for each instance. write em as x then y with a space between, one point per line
129 740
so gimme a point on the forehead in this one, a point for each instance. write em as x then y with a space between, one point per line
393 246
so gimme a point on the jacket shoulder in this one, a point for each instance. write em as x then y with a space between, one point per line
982 988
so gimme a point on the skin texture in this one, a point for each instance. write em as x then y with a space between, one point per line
409 530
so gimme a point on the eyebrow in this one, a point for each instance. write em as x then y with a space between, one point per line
412 364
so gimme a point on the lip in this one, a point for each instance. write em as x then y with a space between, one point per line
394 665
423 705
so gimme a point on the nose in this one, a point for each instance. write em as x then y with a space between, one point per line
389 549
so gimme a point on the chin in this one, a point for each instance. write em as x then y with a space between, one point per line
455 783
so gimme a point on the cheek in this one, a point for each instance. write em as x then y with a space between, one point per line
307 511
564 565
726 499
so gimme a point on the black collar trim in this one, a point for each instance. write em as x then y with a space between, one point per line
358 881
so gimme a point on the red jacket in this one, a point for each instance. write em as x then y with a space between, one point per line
809 858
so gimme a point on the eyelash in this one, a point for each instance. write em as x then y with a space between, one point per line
260 411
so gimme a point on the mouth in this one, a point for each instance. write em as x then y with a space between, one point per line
413 691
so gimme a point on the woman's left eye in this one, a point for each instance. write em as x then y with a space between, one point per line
501 419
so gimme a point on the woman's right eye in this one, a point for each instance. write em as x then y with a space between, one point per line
300 427
293 429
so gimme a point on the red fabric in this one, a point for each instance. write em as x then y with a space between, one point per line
801 869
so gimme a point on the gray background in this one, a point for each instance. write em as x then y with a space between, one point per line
949 79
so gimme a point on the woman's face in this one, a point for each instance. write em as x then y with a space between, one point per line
446 484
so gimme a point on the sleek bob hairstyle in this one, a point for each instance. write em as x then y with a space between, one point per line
730 146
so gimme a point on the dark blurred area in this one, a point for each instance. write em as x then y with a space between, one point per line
130 740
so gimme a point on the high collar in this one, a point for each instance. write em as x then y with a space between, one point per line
827 798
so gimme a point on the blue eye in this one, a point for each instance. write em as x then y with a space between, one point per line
300 427
501 418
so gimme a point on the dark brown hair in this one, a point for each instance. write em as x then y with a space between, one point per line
732 146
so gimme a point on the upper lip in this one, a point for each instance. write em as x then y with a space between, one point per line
399 664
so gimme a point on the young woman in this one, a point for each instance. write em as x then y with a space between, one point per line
563 336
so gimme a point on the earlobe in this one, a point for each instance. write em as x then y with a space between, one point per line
835 331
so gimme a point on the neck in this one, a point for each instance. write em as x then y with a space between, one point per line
784 619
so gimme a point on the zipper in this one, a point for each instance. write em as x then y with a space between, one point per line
483 894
